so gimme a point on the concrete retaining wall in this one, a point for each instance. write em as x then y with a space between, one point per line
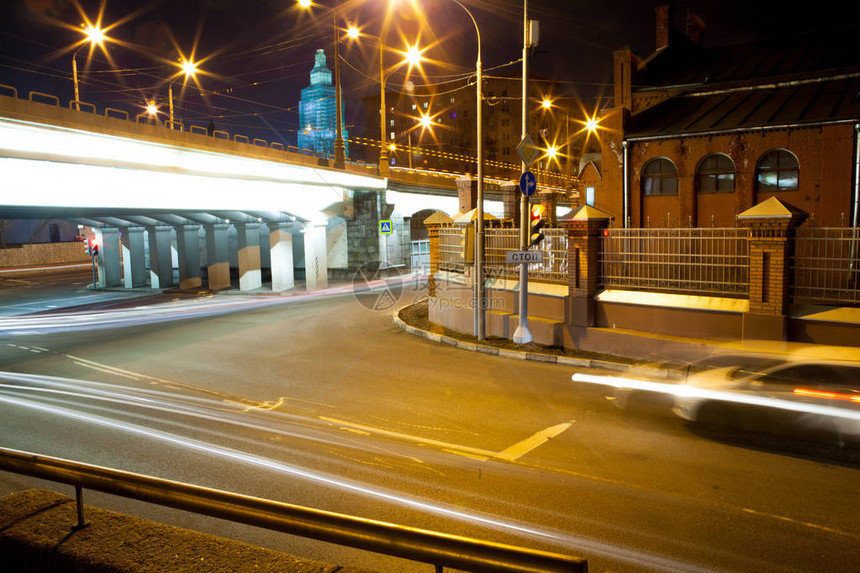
43 254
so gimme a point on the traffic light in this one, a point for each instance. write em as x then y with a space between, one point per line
94 249
88 247
537 223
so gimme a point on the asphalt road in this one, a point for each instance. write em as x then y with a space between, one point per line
320 402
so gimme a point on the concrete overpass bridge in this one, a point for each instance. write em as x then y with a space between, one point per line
159 199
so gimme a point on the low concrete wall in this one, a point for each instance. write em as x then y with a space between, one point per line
37 534
43 254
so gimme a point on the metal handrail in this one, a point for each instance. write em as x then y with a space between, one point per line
432 547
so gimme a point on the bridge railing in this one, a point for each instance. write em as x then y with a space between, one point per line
421 545
498 170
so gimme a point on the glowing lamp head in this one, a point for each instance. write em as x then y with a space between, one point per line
413 55
305 3
392 147
189 68
591 124
546 103
426 121
94 34
353 32
151 108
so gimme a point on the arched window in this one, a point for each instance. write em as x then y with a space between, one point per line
777 170
716 174
659 177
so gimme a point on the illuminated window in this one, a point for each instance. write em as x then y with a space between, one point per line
716 174
777 170
589 196
426 105
659 177
453 115
414 107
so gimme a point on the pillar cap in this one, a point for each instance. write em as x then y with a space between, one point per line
773 208
472 215
438 218
586 213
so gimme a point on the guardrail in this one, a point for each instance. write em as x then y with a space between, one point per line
438 549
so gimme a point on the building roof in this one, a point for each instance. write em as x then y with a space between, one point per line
799 80
812 103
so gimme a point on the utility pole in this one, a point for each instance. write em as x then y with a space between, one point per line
522 334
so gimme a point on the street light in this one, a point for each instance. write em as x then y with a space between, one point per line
339 148
413 57
94 36
479 234
589 126
383 146
188 68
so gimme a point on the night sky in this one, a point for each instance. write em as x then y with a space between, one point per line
256 55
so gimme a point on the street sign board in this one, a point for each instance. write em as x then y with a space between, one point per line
385 227
528 183
527 150
524 257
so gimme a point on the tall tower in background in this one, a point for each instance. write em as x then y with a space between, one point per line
317 117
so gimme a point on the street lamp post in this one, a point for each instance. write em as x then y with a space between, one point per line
189 68
339 147
354 32
94 36
479 223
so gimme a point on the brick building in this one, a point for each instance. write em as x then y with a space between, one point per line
698 135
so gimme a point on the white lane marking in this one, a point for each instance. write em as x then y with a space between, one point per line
453 448
107 370
510 454
798 522
520 449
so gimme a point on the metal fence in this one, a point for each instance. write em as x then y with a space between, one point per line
497 242
454 248
826 265
697 261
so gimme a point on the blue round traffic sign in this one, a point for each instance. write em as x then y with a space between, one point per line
528 183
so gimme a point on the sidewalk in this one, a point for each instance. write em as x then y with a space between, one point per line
413 319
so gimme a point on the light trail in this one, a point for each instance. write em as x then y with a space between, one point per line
266 463
686 391
182 310
235 414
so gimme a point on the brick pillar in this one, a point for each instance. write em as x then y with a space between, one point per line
467 189
433 223
511 202
549 200
771 224
585 227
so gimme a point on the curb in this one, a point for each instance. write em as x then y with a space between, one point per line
533 356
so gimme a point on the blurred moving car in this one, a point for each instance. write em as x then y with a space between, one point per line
812 397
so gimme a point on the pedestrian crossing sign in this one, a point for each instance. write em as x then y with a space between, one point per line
385 227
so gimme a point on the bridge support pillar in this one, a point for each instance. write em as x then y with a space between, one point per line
218 256
188 247
281 251
133 257
110 271
316 258
160 257
250 276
